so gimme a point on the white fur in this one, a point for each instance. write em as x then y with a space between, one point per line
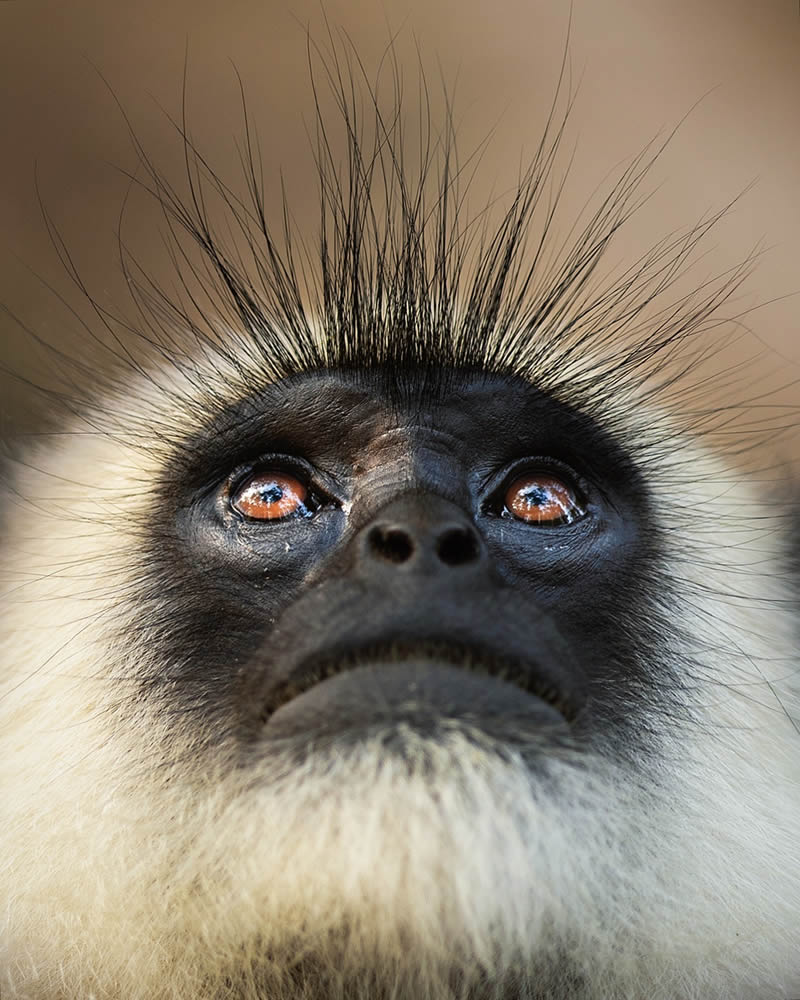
124 873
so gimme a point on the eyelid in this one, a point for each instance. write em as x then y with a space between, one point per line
495 489
293 465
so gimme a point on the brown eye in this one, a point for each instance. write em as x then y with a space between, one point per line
541 498
270 496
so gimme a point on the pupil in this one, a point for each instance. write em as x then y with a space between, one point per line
535 496
272 493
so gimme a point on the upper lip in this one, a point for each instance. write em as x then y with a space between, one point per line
317 668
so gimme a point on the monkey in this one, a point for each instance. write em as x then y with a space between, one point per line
380 619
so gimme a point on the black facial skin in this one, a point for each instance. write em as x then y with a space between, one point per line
405 593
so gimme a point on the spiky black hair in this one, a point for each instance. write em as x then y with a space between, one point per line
401 274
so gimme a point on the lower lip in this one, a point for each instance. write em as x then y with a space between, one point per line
421 693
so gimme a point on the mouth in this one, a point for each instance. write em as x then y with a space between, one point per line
529 678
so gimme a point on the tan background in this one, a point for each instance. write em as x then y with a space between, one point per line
641 66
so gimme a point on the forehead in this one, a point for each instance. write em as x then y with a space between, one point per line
339 406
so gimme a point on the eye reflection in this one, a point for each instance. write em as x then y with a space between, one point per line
271 495
542 499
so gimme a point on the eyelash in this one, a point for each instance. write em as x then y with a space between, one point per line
496 487
237 480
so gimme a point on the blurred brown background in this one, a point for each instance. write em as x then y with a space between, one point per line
639 66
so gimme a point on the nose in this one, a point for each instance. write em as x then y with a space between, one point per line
422 532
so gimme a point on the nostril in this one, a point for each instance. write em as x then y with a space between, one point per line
392 544
458 546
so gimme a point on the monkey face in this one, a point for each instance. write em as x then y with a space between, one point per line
398 683
355 554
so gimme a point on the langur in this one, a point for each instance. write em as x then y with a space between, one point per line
378 622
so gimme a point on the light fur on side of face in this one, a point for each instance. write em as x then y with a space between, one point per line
126 874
